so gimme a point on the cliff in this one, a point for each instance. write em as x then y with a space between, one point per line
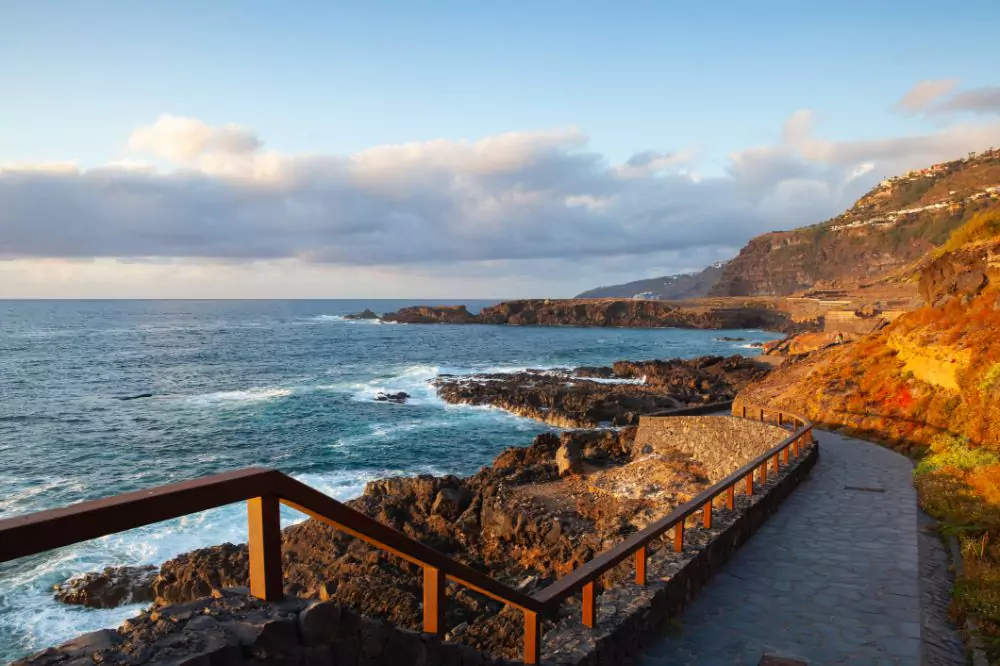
667 287
927 384
892 226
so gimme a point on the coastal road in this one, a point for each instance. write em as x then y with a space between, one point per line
834 577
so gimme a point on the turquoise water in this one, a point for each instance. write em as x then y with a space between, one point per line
285 384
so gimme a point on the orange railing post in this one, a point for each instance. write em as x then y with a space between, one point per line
265 548
706 520
532 637
434 601
640 566
679 536
750 483
731 497
590 604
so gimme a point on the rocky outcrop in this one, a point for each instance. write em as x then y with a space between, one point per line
622 313
364 314
631 314
963 273
399 397
426 314
115 586
570 399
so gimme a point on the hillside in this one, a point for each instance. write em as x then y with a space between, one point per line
928 384
667 287
894 225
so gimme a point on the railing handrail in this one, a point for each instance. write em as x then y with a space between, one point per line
264 489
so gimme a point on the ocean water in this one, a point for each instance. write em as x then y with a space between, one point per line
284 384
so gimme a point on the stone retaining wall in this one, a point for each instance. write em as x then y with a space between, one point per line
721 443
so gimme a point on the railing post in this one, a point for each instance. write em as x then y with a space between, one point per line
590 604
640 566
750 483
706 519
679 537
796 445
763 474
776 468
434 601
264 519
532 637
731 497
780 419
784 452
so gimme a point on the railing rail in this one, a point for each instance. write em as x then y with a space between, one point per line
265 489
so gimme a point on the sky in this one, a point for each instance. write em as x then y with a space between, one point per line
456 150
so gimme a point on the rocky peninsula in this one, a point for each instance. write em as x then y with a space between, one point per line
622 313
613 396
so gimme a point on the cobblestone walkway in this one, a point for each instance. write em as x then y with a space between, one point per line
832 578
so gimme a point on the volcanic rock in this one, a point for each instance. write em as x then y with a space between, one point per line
392 397
570 399
364 314
115 586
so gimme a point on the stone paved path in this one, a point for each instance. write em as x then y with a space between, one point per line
832 578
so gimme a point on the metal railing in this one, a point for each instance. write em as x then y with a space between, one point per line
264 490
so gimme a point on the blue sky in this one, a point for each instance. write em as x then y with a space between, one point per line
333 79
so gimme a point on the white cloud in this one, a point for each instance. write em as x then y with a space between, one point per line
924 93
183 139
522 204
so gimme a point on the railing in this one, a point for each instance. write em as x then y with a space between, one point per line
264 490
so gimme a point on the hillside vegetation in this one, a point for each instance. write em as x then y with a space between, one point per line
928 385
895 224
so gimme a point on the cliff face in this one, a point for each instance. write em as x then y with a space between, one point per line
892 226
668 287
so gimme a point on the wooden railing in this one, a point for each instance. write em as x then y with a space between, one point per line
264 490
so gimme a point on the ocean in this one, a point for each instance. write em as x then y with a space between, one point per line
283 384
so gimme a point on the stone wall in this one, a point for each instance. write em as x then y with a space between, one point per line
721 443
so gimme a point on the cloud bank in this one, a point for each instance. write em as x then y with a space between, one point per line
517 204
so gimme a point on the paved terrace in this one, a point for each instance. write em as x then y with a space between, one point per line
832 578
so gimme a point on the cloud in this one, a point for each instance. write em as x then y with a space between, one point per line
182 139
923 94
650 162
522 203
977 100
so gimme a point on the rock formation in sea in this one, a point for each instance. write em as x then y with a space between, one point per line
622 313
589 397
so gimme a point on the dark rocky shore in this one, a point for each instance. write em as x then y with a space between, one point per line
580 399
624 313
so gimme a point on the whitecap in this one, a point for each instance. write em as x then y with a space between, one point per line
244 396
